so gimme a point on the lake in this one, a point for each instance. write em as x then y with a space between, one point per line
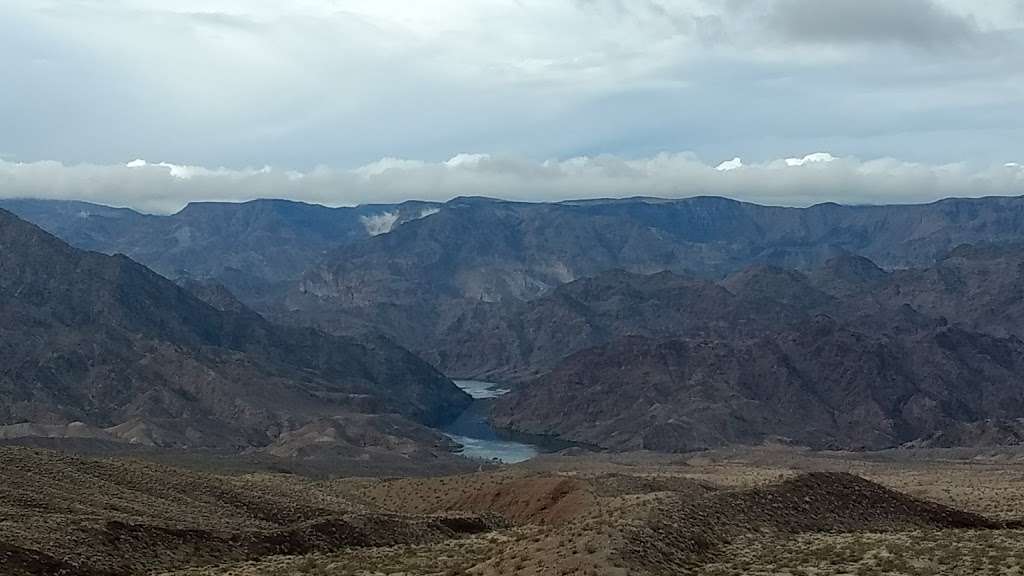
478 438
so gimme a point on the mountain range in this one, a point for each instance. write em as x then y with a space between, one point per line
489 249
670 325
253 248
845 356
100 346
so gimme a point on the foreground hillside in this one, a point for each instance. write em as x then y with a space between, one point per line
720 513
66 515
99 346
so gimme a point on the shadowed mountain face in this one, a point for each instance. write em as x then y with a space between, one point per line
104 341
518 340
818 384
981 289
846 356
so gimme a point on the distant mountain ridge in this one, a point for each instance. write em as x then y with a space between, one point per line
424 273
488 249
416 281
254 248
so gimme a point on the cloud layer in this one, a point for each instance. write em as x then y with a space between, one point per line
344 82
798 181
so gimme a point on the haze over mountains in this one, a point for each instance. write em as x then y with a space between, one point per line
640 323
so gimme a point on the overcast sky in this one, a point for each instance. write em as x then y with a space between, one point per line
347 101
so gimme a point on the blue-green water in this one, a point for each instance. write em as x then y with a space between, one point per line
478 438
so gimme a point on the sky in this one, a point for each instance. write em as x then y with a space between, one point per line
152 104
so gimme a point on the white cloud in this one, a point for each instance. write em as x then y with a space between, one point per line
733 164
817 177
815 158
466 160
187 172
345 82
378 224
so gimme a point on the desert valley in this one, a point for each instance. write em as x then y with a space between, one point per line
782 404
511 288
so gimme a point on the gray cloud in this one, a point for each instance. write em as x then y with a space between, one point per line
796 181
342 83
920 23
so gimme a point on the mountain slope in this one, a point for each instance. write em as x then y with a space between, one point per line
518 340
819 383
415 281
845 356
979 288
103 340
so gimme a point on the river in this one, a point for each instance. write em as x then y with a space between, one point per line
478 438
